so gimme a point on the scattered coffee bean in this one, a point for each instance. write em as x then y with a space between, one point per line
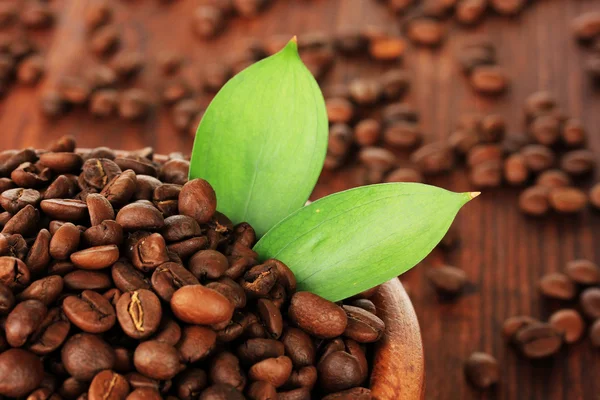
568 199
538 340
557 286
569 323
590 303
482 370
583 272
447 280
513 324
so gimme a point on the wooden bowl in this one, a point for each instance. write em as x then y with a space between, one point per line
399 365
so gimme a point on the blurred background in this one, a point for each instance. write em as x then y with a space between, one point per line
432 79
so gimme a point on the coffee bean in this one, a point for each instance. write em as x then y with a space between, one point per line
51 333
338 371
538 157
367 132
553 178
104 103
434 158
578 162
98 257
90 280
402 134
557 285
363 326
29 175
197 200
64 209
425 31
149 252
144 394
271 317
303 377
262 391
404 175
539 103
196 343
139 313
7 299
166 199
489 79
24 222
168 331
386 47
545 129
573 133
216 308
23 321
447 280
395 83
64 241
538 340
470 12
157 360
20 372
493 128
46 290
516 171
487 174
208 264
84 355
122 187
583 272
567 199
534 201
339 110
108 385
221 391
365 91
482 370
107 233
169 277
99 208
306 309
513 324
140 216
276 371
134 104
127 278
590 303
14 273
90 312
569 323
587 25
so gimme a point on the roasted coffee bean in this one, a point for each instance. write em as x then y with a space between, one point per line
99 208
20 372
262 391
108 385
516 171
367 132
139 313
339 371
90 280
365 304
221 391
404 175
186 248
299 347
538 157
134 104
538 340
64 209
303 377
14 273
387 48
553 178
21 157
545 129
64 241
217 308
470 12
489 79
94 258
573 133
127 278
583 272
190 383
169 277
165 198
395 83
180 227
168 331
400 111
402 134
104 103
61 268
23 321
17 247
590 303
447 280
276 371
84 355
557 286
365 91
258 349
483 153
7 299
24 222
131 165
157 360
208 264
363 326
578 162
567 199
140 216
64 186
486 174
71 388
569 323
535 200
51 333
271 317
29 175
127 64
231 290
339 110
196 343
197 200
62 163
121 188
513 324
144 393
106 233
175 171
90 312
482 370
145 187
493 128
259 280
14 200
149 252
307 309
46 290
434 158
340 140
425 31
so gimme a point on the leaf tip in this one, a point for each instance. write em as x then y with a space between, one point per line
294 39
472 195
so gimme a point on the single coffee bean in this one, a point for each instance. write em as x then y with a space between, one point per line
197 200
340 140
140 216
122 187
402 134
90 280
513 324
51 334
365 304
175 171
590 303
534 201
21 372
190 382
447 280
569 323
553 178
133 164
208 264
262 391
17 247
363 326
24 222
365 91
538 340
516 171
180 227
127 278
258 349
583 272
404 175
64 241
144 393
367 132
216 308
90 312
339 110
7 299
339 371
23 321
169 277
482 153
568 199
84 355
196 343
157 360
221 391
46 290
305 377
425 31
231 290
578 162
145 187
434 158
128 64
307 310
14 200
538 157
139 313
106 233
276 371
62 162
169 331
487 174
557 285
489 79
64 209
271 317
482 370
94 258
99 208
165 198
61 268
573 133
470 12
545 129
259 280
387 48
14 273
108 385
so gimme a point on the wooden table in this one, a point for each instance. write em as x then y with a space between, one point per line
503 252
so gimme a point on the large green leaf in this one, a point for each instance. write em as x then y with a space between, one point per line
351 241
262 141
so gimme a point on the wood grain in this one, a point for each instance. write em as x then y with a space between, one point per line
503 252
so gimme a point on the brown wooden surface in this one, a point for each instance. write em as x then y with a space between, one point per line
503 252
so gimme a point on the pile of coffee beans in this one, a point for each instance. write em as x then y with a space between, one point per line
478 61
586 28
119 279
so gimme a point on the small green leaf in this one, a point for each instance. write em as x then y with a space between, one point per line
351 241
262 141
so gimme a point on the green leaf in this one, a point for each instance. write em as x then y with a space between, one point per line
261 143
351 241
